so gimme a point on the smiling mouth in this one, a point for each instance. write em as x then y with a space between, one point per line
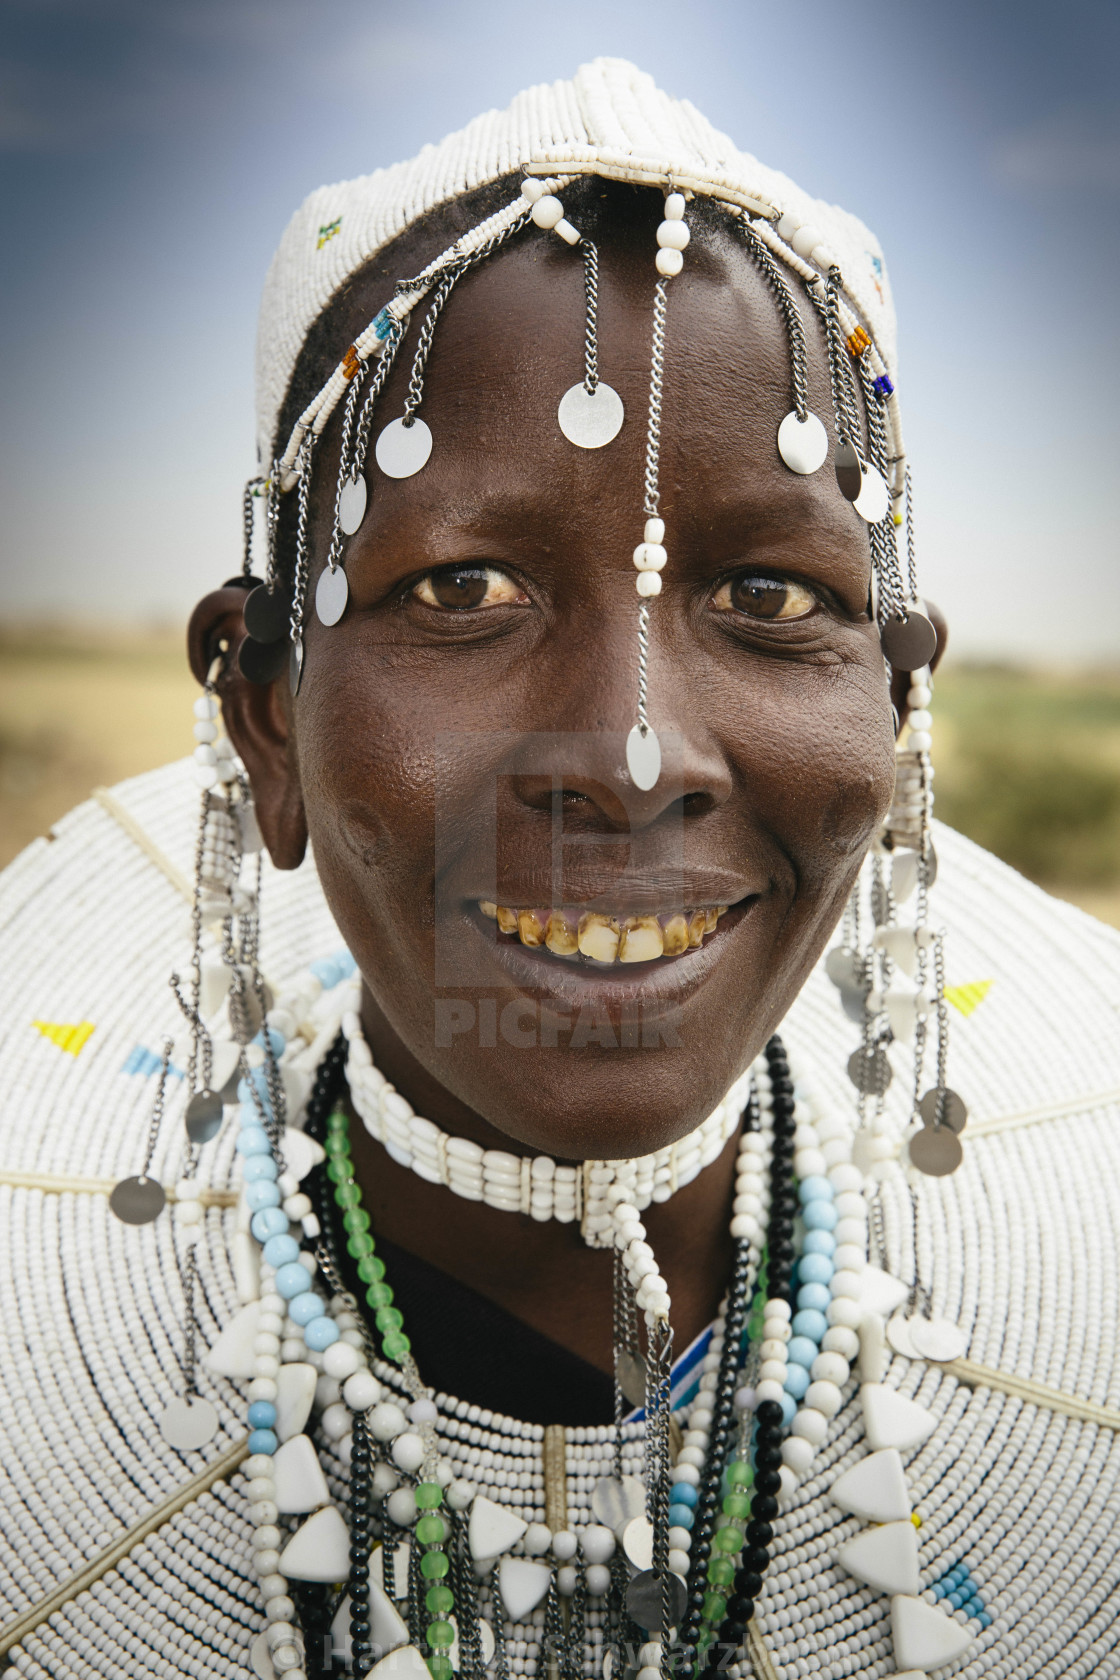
593 937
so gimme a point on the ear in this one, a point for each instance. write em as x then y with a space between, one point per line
901 680
258 720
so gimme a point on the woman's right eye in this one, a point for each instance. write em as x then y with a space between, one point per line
466 588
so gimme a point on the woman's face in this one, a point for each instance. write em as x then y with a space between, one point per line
459 736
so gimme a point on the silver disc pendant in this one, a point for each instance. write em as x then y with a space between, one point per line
590 419
188 1423
898 1335
909 643
937 1152
204 1116
874 498
802 444
937 1339
869 1074
295 665
137 1201
352 500
403 448
617 1501
266 614
645 1599
849 473
943 1107
331 595
853 1001
843 967
643 757
637 1542
630 1369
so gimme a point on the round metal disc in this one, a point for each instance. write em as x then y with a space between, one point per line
137 1201
204 1116
266 614
637 1542
874 498
937 1153
645 1600
869 1074
944 1107
631 1371
937 1339
188 1423
643 758
591 419
331 595
802 444
261 662
909 643
898 1335
849 473
843 967
853 1001
295 665
352 499
615 1502
402 450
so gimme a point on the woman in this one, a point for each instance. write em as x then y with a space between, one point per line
572 1356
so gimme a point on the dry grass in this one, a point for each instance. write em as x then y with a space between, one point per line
1028 761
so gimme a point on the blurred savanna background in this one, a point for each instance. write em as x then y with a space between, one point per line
150 156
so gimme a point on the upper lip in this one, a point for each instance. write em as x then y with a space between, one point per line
625 894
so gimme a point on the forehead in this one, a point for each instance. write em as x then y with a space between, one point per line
511 341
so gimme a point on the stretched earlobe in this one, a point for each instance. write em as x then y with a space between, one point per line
258 720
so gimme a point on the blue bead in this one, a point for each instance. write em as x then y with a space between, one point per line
291 1280
259 1166
815 1296
815 1268
985 1620
796 1381
262 1193
253 1140
809 1323
814 1189
955 1599
789 1409
320 1334
683 1493
680 1516
276 1039
326 972
262 1414
819 1215
269 1222
974 1607
345 963
277 1251
820 1242
802 1350
263 1441
303 1308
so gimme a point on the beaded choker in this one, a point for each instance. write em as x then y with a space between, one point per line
536 1185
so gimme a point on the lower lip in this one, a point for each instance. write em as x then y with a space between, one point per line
574 982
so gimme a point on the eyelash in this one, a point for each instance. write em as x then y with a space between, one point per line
426 590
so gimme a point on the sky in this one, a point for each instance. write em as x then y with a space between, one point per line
151 154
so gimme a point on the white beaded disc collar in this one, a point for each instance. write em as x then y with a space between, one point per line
536 1185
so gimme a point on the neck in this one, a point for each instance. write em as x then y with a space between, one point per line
541 1272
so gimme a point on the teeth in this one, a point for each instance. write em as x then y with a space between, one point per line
598 937
642 939
607 939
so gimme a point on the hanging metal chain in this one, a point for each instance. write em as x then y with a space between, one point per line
643 667
299 582
424 345
791 315
189 1361
656 384
591 329
911 549
156 1120
248 497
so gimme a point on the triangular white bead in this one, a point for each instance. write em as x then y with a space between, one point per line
233 1354
405 1663
485 1639
491 1530
301 1152
900 945
387 1630
320 1550
885 1558
892 1420
924 1637
523 1584
880 1292
874 1490
295 1393
902 1013
300 1483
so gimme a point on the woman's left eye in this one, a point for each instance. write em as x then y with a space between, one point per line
461 588
763 597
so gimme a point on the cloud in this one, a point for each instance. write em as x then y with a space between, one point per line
1066 151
